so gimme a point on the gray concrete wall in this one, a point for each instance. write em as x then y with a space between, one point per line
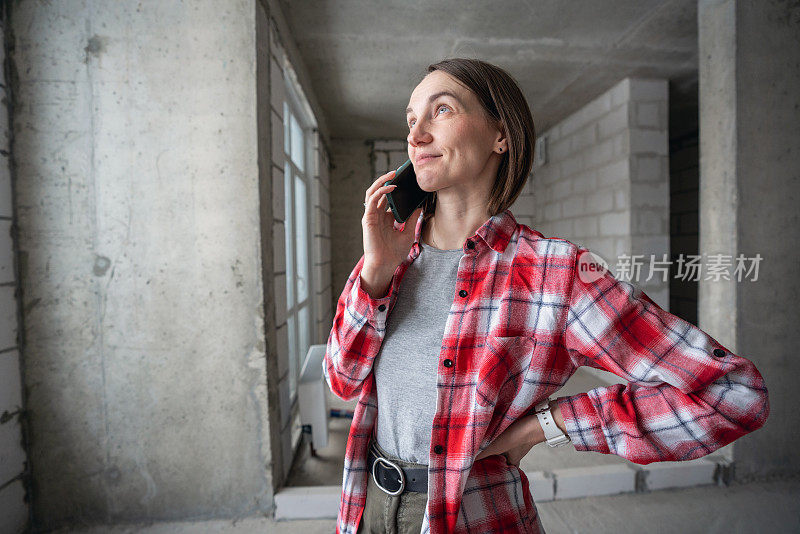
13 507
749 133
140 258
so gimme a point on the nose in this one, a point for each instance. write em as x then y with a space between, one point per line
419 134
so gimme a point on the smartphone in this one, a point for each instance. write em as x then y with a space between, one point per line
408 195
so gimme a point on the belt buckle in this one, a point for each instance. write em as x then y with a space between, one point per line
399 470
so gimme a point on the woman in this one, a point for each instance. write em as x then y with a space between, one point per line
454 367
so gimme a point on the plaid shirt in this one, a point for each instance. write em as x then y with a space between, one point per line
521 322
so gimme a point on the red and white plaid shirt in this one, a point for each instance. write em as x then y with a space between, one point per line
522 321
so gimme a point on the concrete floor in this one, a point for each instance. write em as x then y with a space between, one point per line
764 507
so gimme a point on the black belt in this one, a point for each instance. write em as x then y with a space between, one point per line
394 479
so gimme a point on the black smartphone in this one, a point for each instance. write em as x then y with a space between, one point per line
408 195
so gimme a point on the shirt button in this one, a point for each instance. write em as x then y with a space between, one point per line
719 353
462 293
438 449
470 245
382 307
448 363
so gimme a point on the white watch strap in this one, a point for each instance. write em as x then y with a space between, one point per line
555 436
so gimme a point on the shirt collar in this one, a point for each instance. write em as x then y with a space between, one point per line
495 232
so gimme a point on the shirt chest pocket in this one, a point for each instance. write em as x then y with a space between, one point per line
501 369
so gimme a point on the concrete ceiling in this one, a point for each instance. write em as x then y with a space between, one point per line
365 57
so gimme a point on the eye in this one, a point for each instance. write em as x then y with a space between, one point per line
440 106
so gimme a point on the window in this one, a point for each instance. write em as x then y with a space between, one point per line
297 186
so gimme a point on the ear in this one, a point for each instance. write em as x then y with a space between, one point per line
501 142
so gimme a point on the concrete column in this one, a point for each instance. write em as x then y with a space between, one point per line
13 504
137 186
749 82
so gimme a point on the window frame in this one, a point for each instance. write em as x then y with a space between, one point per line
292 105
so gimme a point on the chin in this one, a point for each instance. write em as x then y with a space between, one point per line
428 181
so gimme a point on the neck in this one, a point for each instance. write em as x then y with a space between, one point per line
461 209
449 228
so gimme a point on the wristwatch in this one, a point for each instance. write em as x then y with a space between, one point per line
555 436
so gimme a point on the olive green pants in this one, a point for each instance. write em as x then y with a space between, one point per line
392 514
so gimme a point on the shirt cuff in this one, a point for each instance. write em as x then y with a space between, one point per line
362 305
582 422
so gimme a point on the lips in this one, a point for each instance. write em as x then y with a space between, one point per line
425 157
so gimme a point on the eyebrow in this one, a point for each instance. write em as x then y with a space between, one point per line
437 95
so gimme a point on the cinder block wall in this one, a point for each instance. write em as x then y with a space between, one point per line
322 260
605 184
684 174
387 155
351 174
13 508
320 254
289 432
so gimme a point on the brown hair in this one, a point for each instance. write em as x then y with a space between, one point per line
503 101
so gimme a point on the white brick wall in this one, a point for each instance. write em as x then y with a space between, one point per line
605 184
13 509
388 155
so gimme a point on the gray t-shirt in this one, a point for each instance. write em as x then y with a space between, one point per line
406 366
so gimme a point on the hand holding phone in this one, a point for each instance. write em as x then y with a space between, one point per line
408 195
385 246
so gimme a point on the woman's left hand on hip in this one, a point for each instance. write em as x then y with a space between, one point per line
515 441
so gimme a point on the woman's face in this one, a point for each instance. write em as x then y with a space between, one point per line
450 141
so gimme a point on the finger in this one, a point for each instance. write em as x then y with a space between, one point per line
384 204
380 193
377 196
378 183
384 197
